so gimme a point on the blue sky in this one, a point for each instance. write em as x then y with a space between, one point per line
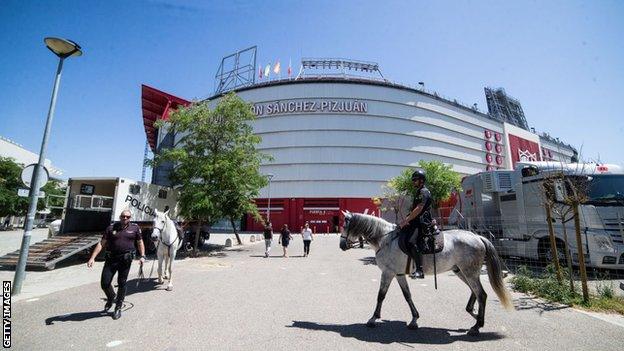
562 60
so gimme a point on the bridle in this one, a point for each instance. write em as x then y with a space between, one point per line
350 244
160 231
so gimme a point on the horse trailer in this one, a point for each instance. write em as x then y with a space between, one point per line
508 207
91 204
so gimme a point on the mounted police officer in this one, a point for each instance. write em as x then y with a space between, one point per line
414 226
118 240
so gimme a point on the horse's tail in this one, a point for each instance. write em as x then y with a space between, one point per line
493 264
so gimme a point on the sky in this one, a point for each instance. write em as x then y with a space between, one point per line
562 59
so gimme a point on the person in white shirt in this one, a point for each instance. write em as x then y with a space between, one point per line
306 233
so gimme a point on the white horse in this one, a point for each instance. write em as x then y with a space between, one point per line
463 253
168 244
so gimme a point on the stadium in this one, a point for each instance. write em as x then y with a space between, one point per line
337 138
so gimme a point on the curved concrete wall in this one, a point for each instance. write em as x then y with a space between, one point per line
352 154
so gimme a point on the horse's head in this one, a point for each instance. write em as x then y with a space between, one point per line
346 239
359 225
159 224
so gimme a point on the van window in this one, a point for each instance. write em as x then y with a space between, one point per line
87 189
162 194
135 189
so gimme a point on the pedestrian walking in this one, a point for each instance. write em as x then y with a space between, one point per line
284 239
268 238
306 233
118 241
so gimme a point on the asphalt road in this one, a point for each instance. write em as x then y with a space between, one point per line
238 300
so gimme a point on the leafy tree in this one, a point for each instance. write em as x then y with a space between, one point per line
10 181
441 180
216 161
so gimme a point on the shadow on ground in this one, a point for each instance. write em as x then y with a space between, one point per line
83 316
77 317
368 260
389 332
529 303
278 256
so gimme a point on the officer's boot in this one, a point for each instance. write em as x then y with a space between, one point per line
117 313
417 257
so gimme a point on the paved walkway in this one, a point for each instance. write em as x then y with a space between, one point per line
238 300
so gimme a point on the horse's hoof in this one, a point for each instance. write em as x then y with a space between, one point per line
370 324
169 288
473 331
160 281
412 326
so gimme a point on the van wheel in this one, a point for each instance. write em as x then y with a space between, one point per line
545 251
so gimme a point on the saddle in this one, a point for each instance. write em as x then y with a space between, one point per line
432 241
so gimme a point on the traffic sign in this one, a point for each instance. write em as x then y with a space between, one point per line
27 174
24 193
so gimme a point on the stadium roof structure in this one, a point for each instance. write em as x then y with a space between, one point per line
156 105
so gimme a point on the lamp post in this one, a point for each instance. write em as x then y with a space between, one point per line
270 176
62 48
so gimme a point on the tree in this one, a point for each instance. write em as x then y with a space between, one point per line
10 182
216 163
564 194
441 180
10 203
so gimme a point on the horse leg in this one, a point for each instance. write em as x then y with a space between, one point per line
171 259
408 297
473 297
386 279
160 263
167 263
475 284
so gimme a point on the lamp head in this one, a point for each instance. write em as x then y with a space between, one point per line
62 47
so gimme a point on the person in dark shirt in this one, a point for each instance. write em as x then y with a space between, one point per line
284 239
268 238
414 225
118 240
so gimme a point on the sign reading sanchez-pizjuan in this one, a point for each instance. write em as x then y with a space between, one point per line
310 106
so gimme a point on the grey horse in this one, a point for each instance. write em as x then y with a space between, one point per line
463 253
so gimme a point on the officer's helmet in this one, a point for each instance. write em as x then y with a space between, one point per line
419 174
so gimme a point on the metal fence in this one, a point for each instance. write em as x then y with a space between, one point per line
525 248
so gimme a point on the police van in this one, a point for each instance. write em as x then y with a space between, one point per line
91 204
508 206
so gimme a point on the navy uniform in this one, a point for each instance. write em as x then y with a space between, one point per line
413 233
120 251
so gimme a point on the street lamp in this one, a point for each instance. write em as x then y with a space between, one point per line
270 176
62 48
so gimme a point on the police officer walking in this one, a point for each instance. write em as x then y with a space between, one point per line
413 227
118 241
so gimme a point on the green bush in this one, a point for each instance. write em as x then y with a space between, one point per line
548 288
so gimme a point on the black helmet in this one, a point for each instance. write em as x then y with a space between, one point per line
419 174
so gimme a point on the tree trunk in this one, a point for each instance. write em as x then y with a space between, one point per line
567 254
197 234
238 239
553 242
581 254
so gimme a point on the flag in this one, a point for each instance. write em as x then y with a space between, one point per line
289 67
276 68
267 70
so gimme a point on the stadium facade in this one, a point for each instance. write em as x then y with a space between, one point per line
336 141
